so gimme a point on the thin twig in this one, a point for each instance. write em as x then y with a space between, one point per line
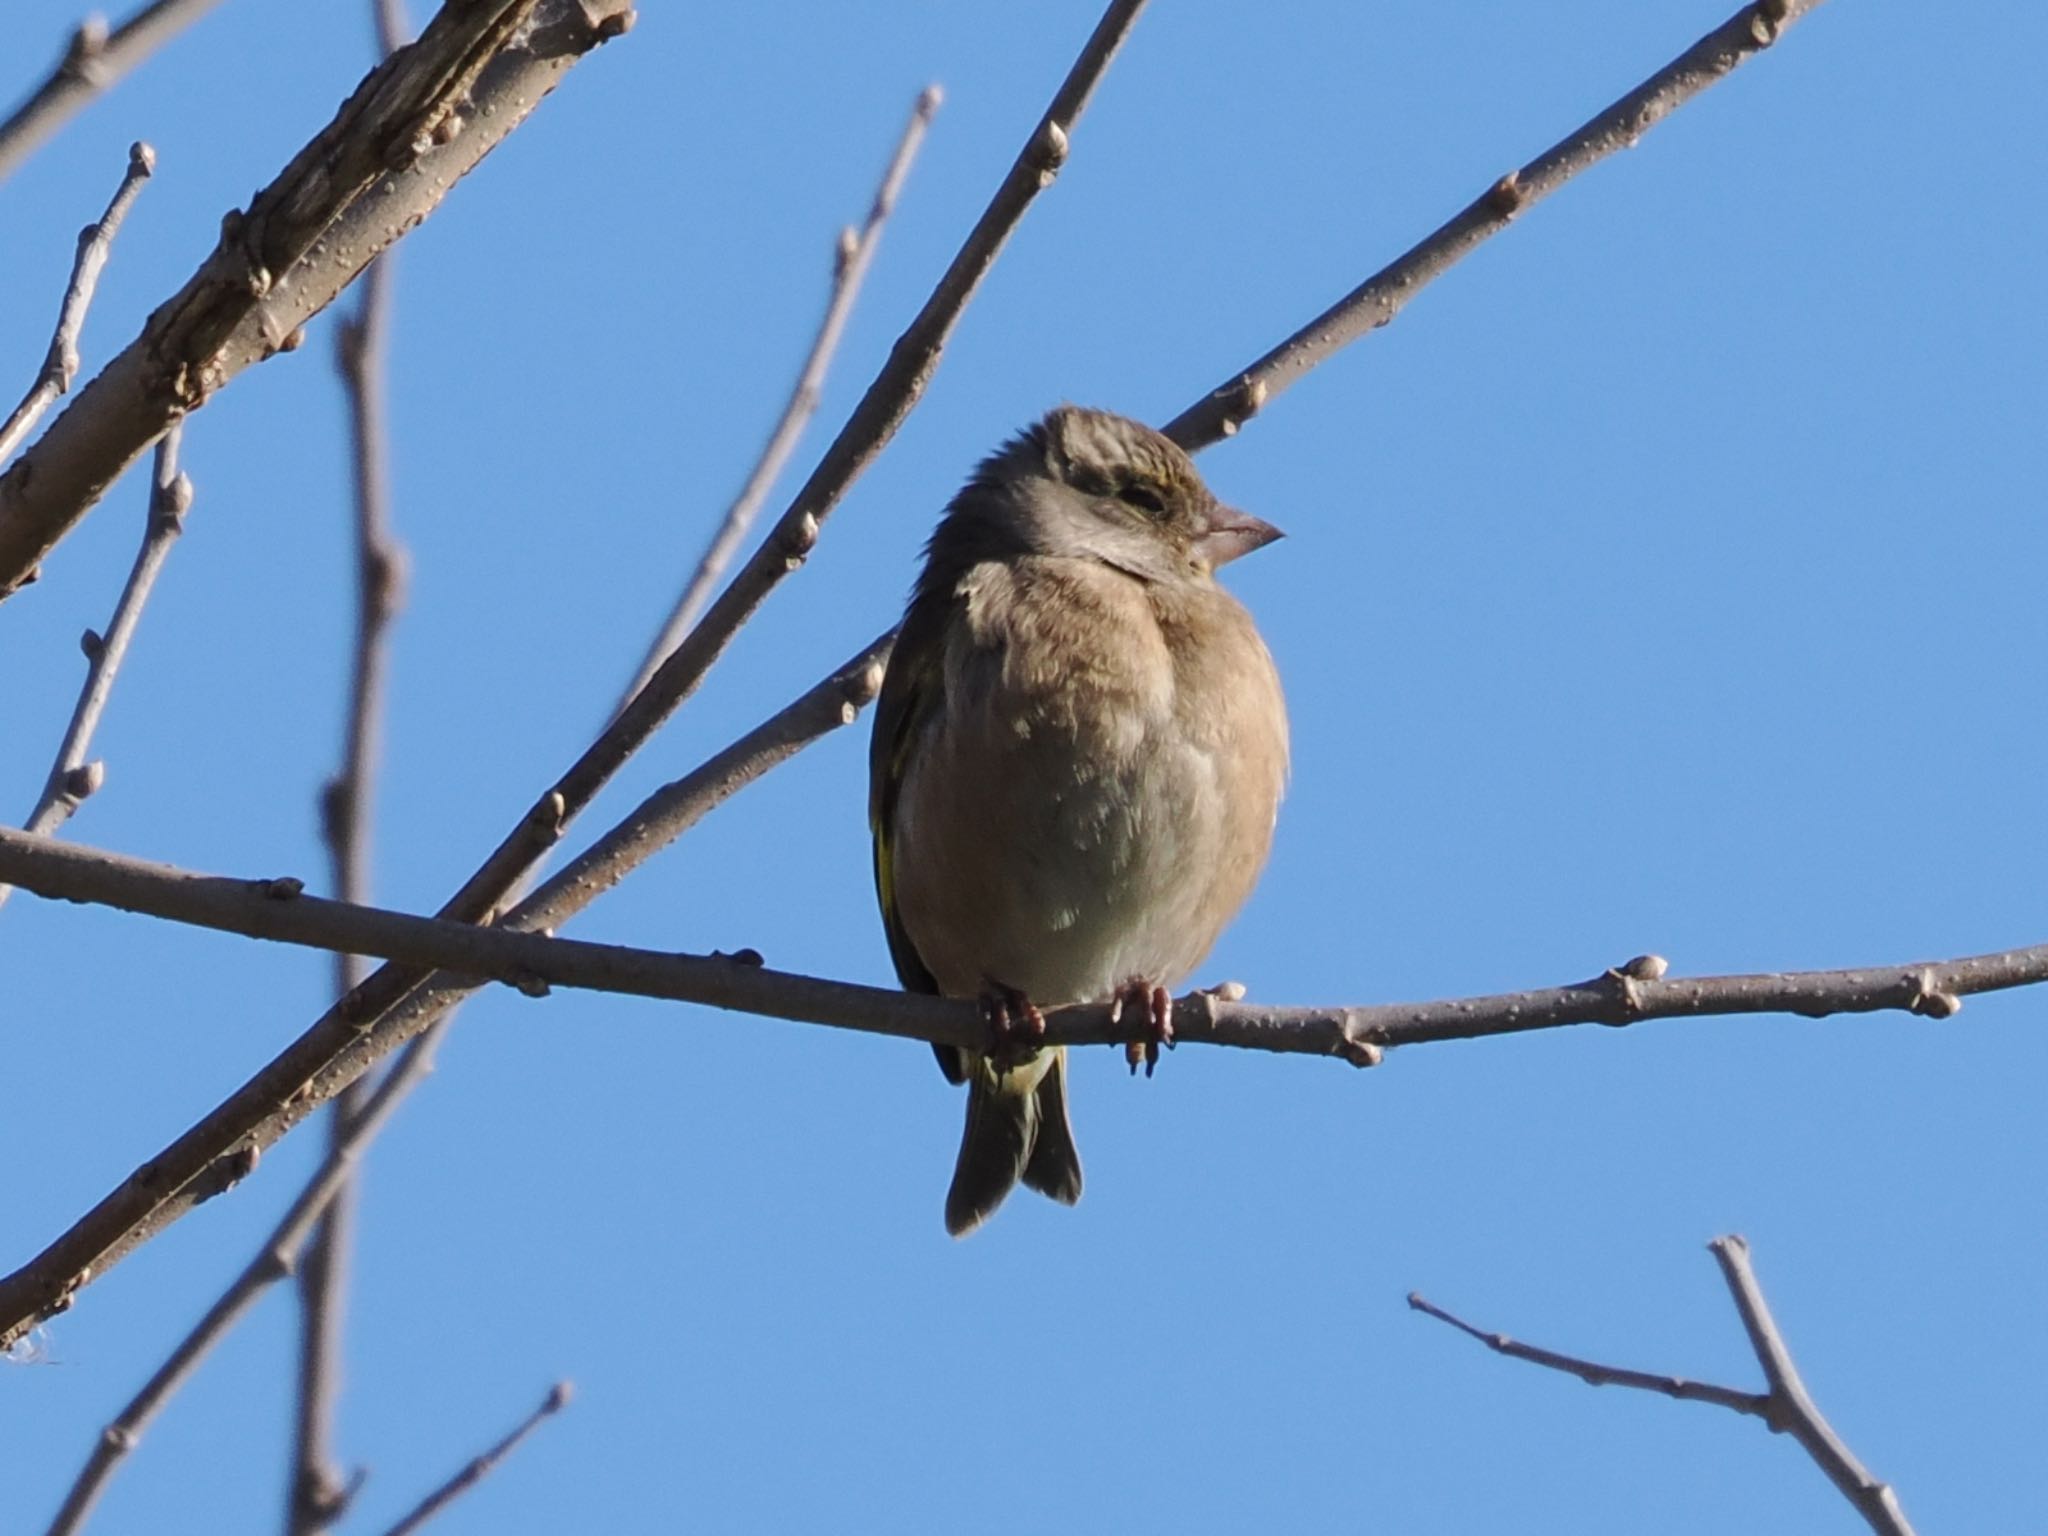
515 953
852 257
1594 1374
93 61
437 107
479 1467
271 1264
1792 1410
60 363
1387 292
1785 1406
318 1494
72 778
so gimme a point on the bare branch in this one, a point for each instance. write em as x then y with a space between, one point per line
479 1467
336 1050
345 1041
279 1252
318 1494
60 364
513 953
1786 1407
93 61
72 779
1792 1411
854 255
1387 292
414 127
1594 1374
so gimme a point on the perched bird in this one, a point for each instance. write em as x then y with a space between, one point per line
1078 755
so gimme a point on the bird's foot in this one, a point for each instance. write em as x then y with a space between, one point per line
1155 1003
1015 1026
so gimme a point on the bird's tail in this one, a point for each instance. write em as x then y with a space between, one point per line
1016 1129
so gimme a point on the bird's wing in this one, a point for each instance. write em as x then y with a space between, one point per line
913 693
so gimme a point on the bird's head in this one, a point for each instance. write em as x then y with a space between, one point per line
1085 482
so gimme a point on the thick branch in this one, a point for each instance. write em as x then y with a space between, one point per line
72 779
60 363
1786 1407
93 61
1387 292
854 255
415 125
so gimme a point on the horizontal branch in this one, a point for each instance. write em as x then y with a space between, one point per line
93 60
279 909
1387 292
415 126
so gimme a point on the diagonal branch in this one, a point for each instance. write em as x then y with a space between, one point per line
355 1033
269 1266
73 779
60 363
1594 1374
518 954
371 1021
1387 292
479 1467
855 254
336 1051
1792 1410
416 125
1786 1407
94 60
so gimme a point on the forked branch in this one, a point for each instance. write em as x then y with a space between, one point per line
1784 1405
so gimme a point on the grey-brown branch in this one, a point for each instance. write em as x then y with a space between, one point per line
94 59
279 909
1785 1404
411 130
74 776
852 257
1386 293
60 363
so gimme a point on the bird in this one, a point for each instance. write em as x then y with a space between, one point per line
1077 761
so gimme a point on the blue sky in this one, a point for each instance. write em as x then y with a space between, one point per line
1666 578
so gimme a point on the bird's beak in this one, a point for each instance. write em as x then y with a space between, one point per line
1232 533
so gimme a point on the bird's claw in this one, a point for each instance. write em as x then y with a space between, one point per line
1015 1026
1157 1004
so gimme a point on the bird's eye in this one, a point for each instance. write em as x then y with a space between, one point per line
1135 493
